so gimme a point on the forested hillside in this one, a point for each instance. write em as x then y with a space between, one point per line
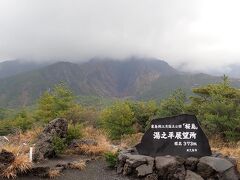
131 78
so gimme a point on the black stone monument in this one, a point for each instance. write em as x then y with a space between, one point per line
177 136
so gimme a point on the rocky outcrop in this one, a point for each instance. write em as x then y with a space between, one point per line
43 148
176 168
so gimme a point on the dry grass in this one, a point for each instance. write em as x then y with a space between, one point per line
93 133
15 149
27 137
228 149
53 173
30 135
21 164
80 165
130 140
19 145
103 144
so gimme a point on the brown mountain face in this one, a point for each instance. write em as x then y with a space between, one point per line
124 78
136 78
108 78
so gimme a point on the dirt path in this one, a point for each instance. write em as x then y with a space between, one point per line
95 170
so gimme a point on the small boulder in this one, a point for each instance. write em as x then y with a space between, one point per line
120 168
218 164
230 174
144 169
169 168
192 176
164 161
127 169
205 170
40 171
191 163
152 176
213 166
6 157
137 160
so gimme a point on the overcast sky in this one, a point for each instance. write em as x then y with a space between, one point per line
196 34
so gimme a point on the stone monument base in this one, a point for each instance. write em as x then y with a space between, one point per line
217 166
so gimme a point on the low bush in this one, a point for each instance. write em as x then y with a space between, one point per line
118 120
111 158
74 132
58 145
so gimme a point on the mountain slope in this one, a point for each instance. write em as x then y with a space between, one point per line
136 78
124 78
97 77
10 68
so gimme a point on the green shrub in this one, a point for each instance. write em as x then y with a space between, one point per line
58 145
173 105
218 109
55 103
143 112
111 159
74 132
118 120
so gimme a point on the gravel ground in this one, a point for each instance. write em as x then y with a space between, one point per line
95 170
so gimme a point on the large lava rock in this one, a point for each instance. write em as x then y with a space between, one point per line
177 136
43 148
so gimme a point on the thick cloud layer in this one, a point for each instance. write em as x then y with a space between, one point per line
194 34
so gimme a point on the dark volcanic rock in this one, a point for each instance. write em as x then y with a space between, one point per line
57 127
127 169
145 169
177 136
192 176
6 158
40 171
143 165
152 176
43 148
191 163
175 167
169 168
230 174
215 167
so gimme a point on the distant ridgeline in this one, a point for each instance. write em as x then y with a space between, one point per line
22 83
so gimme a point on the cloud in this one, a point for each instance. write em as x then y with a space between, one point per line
202 35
